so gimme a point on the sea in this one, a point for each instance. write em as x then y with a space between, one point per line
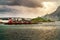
41 31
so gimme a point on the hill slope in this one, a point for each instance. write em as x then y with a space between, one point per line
55 15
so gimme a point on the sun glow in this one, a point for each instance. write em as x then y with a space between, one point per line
49 6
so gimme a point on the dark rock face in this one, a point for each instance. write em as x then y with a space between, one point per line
55 15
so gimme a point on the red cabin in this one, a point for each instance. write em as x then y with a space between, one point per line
10 20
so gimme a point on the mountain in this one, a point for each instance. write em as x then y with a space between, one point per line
54 16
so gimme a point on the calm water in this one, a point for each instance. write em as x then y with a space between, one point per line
30 32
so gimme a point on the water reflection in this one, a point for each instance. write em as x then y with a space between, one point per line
32 32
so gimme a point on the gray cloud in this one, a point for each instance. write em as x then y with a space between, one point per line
5 9
28 3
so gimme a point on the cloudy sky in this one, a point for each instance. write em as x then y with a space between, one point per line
27 8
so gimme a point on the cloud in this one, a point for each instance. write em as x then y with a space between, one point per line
27 3
26 8
6 9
